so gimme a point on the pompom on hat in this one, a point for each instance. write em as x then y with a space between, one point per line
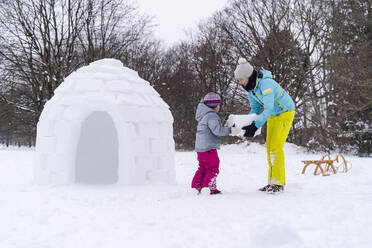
212 99
244 69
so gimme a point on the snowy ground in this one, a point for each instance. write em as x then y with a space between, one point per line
314 211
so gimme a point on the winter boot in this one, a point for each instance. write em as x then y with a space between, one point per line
275 189
215 192
264 189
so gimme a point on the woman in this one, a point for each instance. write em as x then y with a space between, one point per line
264 91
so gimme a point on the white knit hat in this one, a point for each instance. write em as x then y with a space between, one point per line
244 69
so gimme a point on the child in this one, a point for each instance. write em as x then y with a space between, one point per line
208 139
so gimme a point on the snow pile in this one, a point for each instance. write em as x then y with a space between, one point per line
104 125
242 121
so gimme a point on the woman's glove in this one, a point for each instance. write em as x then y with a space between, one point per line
250 130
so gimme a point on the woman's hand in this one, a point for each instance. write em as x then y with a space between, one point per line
250 130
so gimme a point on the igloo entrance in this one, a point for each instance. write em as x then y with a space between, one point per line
97 159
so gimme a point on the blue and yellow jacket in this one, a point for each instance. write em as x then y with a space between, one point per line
269 95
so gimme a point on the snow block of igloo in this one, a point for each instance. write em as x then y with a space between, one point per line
104 125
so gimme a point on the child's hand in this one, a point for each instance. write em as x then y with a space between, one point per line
235 130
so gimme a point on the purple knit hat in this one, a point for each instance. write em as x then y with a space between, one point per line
212 99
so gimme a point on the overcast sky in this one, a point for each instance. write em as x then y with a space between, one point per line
173 17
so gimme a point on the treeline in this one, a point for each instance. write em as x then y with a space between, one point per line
319 51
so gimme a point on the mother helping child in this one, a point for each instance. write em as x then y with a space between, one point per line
278 111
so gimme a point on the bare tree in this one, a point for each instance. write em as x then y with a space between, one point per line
43 41
111 28
38 47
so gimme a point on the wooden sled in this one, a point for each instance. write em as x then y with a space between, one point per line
325 160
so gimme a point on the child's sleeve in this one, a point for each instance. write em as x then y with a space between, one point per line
216 127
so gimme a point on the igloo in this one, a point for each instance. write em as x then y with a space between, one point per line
104 125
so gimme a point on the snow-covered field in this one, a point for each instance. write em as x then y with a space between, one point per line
314 211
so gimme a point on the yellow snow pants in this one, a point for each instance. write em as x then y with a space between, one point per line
277 132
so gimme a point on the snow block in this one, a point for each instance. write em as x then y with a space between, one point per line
52 112
156 115
72 113
128 99
241 121
66 87
168 117
131 73
107 62
137 172
132 129
46 128
88 85
119 85
145 89
140 146
146 162
165 162
158 146
171 145
158 176
165 129
159 102
133 113
39 160
66 142
46 145
148 129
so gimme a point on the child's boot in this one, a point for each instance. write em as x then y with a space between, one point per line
215 192
199 190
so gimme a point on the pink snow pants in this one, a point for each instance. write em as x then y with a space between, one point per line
208 170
